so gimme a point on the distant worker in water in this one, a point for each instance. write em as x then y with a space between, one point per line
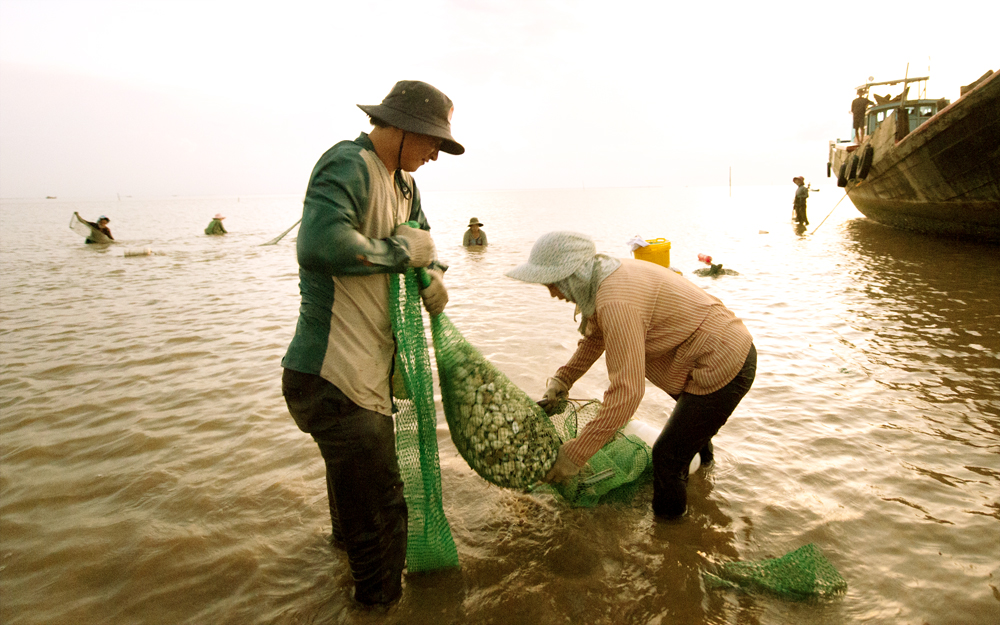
651 324
101 225
338 367
215 226
859 105
474 236
799 204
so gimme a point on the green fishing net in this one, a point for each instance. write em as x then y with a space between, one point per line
503 435
801 574
429 543
615 472
509 440
501 432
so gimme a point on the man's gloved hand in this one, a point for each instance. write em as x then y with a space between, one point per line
418 243
562 469
555 393
435 296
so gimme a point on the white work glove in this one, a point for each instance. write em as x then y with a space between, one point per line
435 296
418 244
562 469
554 394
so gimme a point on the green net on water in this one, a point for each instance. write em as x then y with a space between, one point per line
429 544
798 575
509 440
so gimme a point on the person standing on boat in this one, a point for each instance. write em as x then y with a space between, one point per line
102 226
474 236
337 369
799 203
651 324
859 105
215 226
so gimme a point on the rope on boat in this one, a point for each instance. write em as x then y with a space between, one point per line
830 213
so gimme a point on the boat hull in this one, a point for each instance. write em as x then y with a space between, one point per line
942 178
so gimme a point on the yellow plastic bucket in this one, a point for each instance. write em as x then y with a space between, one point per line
658 251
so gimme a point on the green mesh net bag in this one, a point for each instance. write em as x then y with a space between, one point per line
612 475
798 575
429 543
504 436
509 440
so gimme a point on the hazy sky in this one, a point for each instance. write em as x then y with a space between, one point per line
150 98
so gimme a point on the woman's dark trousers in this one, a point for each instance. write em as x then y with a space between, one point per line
689 430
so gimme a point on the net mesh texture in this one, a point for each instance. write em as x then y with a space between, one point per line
798 575
612 475
429 542
507 438
509 441
504 435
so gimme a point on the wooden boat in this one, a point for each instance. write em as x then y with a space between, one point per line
928 165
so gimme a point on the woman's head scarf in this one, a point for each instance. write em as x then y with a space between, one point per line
568 260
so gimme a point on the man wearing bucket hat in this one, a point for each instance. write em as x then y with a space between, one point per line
474 236
799 203
215 226
654 325
337 369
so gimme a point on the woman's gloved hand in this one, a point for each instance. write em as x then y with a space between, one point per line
418 244
435 296
563 469
554 394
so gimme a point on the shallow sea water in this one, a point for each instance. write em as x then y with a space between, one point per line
150 472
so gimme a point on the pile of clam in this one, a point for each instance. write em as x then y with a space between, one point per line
503 435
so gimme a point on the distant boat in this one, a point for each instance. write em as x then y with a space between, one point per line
50 197
928 165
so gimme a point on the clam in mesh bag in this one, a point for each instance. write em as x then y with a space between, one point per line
504 436
509 440
798 575
429 543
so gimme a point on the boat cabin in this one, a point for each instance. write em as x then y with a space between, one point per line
918 110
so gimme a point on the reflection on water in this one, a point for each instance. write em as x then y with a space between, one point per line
930 314
149 471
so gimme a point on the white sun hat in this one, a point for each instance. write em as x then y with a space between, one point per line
554 257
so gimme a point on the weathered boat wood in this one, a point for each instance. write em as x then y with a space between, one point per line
941 178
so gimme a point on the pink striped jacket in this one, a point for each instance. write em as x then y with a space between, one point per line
654 325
